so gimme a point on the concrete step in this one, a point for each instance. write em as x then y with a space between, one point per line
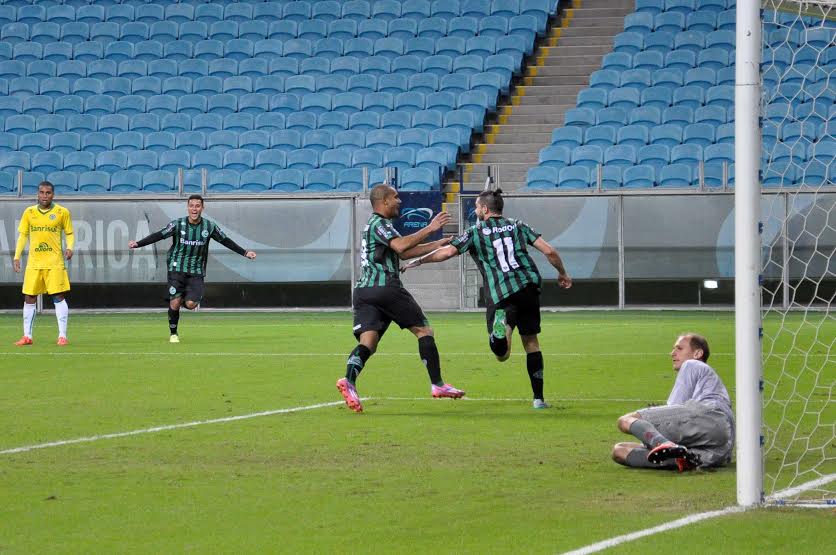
616 4
537 109
564 77
553 91
592 39
544 100
520 138
592 33
510 148
570 61
519 128
559 99
590 50
522 117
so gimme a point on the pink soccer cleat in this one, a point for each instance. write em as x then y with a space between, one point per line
62 341
23 341
349 393
446 390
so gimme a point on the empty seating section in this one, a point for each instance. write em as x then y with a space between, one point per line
278 94
660 111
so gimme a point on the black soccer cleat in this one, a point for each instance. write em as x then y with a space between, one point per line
666 451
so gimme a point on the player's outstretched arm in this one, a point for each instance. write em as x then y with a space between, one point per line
424 248
438 255
235 247
404 244
153 238
563 279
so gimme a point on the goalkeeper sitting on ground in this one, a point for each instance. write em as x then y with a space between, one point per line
696 426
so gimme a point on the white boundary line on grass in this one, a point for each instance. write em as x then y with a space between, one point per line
691 519
154 429
62 353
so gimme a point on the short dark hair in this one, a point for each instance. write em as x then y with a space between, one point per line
697 341
195 197
492 200
46 184
378 193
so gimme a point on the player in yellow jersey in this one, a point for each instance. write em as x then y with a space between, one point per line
41 225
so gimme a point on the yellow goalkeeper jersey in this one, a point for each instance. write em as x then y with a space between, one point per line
43 230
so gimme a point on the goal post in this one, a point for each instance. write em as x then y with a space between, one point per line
747 300
785 251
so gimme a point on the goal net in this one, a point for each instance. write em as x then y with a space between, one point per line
799 239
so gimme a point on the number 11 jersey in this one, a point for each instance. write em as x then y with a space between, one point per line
499 247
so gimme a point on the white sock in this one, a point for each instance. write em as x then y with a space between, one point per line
62 311
28 318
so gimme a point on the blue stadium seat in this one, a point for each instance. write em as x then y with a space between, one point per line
64 182
653 155
351 140
620 155
669 22
426 83
676 175
367 158
611 116
320 180
542 177
463 27
139 160
617 61
594 99
414 138
372 29
409 102
223 181
701 134
335 159
33 142
433 158
65 142
650 60
638 22
238 160
348 103
555 156
47 162
375 65
75 161
94 182
364 121
668 134
628 43
574 177
641 176
569 137
680 115
686 154
111 161
588 156
624 98
407 65
714 115
427 119
126 181
271 160
173 160
210 160
417 179
256 181
405 29
288 180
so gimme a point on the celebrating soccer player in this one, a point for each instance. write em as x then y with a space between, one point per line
380 298
42 225
696 426
187 258
512 281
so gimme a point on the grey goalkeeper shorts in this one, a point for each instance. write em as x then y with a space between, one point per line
703 428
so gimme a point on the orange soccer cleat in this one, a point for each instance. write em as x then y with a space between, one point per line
62 341
25 340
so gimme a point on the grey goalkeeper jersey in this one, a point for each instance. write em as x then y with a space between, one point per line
699 382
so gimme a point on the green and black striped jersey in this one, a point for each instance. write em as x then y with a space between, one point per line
378 262
190 244
498 245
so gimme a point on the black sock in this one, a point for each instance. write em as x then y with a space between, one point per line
499 346
534 364
173 318
429 356
356 360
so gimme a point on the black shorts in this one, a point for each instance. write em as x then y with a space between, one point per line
188 286
522 311
376 307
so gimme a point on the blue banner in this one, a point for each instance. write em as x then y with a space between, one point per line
418 208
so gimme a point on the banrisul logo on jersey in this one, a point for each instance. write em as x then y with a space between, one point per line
43 247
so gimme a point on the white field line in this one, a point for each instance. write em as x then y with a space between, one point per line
173 352
691 519
89 439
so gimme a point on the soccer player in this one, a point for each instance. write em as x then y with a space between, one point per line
41 225
696 426
380 298
187 258
512 281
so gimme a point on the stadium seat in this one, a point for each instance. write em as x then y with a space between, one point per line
47 162
542 177
620 155
641 176
303 159
335 159
574 177
600 135
288 180
669 135
676 175
64 182
320 180
223 181
94 182
655 156
367 158
210 160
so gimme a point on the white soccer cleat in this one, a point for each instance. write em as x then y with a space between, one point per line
174 338
540 404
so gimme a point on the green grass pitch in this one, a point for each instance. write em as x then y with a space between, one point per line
409 475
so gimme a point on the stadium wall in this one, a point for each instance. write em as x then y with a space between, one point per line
622 250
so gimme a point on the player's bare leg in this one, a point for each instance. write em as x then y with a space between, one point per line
365 348
428 352
534 366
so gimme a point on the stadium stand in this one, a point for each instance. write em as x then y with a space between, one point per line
108 88
660 109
